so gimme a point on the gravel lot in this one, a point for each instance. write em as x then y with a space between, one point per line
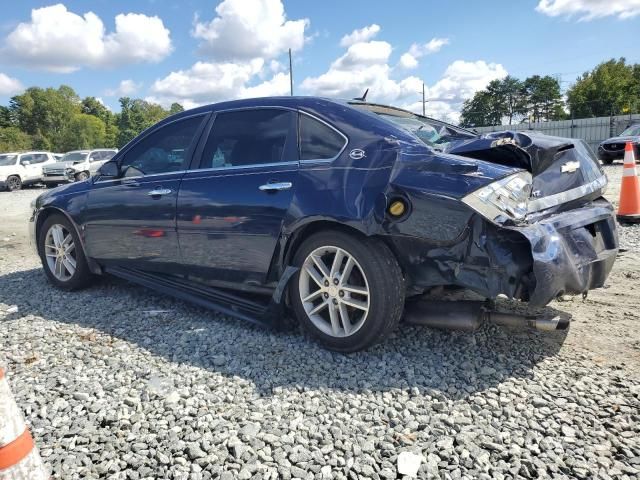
118 382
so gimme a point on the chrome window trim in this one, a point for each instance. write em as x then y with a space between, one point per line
243 167
151 175
325 160
563 197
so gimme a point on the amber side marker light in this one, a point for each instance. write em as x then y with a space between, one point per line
397 208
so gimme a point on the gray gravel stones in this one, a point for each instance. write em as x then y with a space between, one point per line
110 392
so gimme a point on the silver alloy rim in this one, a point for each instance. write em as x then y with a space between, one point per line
334 291
82 176
14 183
60 252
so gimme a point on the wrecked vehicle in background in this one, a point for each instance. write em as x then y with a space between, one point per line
339 211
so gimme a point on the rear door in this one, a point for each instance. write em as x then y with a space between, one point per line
131 221
232 206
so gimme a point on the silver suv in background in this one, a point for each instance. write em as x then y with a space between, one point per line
76 166
22 168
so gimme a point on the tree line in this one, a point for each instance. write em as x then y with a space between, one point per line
58 120
611 88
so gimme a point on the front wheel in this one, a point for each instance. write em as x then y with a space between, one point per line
62 255
349 291
14 183
607 161
82 176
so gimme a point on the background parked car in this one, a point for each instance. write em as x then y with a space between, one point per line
77 165
613 148
18 169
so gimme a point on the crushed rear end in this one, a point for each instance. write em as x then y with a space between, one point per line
570 229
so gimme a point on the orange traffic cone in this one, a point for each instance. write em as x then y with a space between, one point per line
629 207
19 458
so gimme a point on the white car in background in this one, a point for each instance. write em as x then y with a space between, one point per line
18 169
76 166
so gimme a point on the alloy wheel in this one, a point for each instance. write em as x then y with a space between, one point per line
14 183
60 252
334 291
82 176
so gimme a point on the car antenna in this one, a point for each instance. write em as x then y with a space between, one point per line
363 98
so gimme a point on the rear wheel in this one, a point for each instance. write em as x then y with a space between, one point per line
13 183
607 161
62 255
349 291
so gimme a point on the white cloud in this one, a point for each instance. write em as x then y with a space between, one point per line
409 59
59 40
366 65
590 9
126 88
247 29
213 82
9 86
363 54
360 35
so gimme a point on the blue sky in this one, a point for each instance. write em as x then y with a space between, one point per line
202 51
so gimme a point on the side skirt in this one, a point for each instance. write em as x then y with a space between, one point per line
270 314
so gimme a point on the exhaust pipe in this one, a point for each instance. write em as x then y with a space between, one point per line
469 315
465 316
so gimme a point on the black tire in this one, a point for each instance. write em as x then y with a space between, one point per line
51 185
82 276
607 161
13 183
385 283
82 176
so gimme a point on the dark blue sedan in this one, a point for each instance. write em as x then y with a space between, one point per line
334 211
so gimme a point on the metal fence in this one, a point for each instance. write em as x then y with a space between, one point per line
593 130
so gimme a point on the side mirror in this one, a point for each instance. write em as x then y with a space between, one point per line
24 163
109 170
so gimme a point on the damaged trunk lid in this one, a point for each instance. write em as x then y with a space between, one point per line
565 171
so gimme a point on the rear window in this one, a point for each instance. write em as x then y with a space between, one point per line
318 141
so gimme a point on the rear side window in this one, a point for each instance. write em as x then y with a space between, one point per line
156 152
317 140
249 137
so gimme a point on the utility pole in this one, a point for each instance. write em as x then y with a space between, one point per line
290 73
424 102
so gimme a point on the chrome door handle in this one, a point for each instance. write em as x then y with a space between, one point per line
159 191
273 187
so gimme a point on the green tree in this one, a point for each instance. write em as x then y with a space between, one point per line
45 112
175 108
137 115
502 100
13 139
479 111
5 117
543 98
613 87
83 131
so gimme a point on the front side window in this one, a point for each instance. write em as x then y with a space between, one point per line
40 158
318 141
95 156
156 152
248 137
26 158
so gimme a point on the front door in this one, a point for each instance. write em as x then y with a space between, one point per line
131 221
231 209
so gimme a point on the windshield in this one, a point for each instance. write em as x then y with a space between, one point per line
632 131
6 160
73 157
